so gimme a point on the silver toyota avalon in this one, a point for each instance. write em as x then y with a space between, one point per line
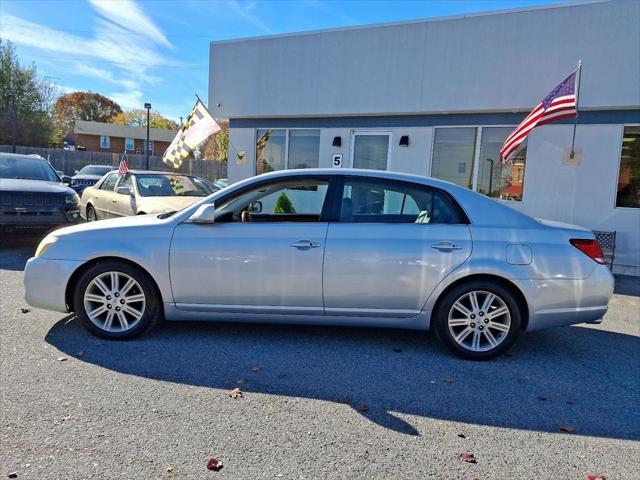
330 247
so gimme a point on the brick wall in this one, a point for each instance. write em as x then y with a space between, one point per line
92 144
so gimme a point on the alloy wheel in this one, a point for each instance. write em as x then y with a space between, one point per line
91 215
114 302
479 321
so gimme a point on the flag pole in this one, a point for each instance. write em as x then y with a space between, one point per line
575 122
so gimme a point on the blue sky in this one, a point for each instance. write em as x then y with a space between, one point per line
157 50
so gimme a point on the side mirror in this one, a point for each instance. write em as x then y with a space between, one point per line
66 179
124 191
77 171
204 214
255 207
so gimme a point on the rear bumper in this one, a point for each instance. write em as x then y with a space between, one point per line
555 303
45 282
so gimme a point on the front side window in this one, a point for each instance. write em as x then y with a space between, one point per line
297 200
109 182
629 177
105 141
374 201
126 182
500 180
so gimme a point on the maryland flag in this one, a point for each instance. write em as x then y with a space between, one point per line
197 127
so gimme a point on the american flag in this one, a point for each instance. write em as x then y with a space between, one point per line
123 167
562 102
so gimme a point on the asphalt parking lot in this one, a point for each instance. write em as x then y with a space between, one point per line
318 402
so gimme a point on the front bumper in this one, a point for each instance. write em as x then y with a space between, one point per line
39 219
45 282
556 303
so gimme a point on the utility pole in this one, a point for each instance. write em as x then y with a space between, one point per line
147 146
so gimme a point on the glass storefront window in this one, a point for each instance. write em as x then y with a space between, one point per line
629 175
304 149
270 150
453 153
370 151
495 179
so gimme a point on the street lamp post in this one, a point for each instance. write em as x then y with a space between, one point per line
148 107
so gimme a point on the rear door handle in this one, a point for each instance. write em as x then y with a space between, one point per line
304 244
446 246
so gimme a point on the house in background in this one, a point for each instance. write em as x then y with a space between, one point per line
108 137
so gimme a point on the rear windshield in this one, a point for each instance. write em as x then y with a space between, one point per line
27 168
95 170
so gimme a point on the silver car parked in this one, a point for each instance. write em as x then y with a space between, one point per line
330 247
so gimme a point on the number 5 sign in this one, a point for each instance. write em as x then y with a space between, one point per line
336 160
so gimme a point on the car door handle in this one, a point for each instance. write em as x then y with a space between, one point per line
304 244
446 246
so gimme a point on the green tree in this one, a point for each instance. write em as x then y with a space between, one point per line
26 96
82 106
138 118
283 205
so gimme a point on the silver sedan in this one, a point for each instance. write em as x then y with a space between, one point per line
329 247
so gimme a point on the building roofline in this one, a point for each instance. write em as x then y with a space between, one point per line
410 22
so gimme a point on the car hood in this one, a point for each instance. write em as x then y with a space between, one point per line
163 204
110 224
36 186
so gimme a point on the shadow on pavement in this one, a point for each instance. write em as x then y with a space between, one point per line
16 249
581 376
627 285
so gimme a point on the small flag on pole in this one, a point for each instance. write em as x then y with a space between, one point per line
123 167
198 126
561 103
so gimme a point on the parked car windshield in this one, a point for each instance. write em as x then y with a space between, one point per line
95 170
168 185
27 168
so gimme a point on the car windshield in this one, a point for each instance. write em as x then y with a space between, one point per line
168 185
95 170
27 168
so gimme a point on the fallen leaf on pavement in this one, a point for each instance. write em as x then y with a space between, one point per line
236 393
62 359
256 369
468 457
567 428
67 418
214 464
541 398
448 381
13 475
462 435
363 407
25 310
169 469
595 477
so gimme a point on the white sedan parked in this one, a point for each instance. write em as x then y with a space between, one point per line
330 247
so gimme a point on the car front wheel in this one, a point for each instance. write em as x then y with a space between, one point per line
116 300
478 320
91 214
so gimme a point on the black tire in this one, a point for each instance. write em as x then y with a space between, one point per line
462 292
151 309
92 215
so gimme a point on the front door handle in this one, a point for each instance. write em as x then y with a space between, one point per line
446 246
304 244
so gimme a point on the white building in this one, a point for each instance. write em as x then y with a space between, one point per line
439 96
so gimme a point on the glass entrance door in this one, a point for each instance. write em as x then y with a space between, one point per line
370 150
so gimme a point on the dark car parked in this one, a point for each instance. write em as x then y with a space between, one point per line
88 176
32 195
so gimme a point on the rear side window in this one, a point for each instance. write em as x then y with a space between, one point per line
380 201
109 182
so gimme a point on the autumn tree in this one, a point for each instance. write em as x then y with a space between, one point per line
25 101
217 145
138 118
82 106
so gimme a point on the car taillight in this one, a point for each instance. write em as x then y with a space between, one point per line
591 248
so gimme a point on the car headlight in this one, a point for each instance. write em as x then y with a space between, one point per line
72 199
45 244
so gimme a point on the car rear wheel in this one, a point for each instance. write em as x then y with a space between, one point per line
91 214
478 320
116 300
